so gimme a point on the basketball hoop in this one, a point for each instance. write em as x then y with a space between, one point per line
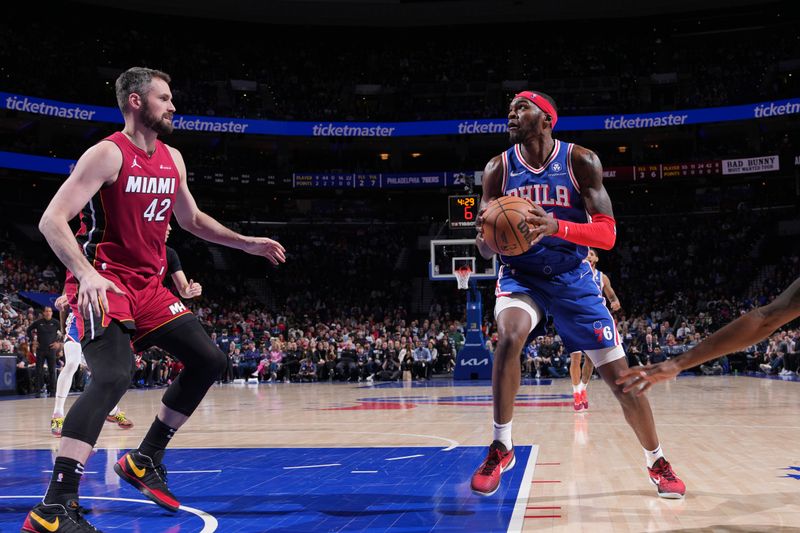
462 277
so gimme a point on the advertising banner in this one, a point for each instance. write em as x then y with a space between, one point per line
750 165
495 126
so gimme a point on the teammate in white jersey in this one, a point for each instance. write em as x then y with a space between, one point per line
581 375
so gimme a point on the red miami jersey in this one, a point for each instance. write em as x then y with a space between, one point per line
124 226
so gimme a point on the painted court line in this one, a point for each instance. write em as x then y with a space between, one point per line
210 523
194 471
518 516
453 443
310 466
50 472
543 507
363 471
405 457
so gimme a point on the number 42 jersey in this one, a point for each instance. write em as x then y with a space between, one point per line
123 227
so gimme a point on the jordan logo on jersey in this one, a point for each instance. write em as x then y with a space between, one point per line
540 193
135 164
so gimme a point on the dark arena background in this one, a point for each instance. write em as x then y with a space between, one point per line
357 394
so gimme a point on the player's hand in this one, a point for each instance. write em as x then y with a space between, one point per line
479 220
55 345
272 250
92 293
192 290
615 305
62 303
643 377
541 222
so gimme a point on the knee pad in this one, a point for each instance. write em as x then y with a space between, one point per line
203 362
110 359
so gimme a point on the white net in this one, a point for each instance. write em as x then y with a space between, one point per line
462 277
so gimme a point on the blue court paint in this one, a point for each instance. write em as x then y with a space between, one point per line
258 490
776 377
795 475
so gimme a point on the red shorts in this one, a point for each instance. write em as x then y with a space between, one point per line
148 308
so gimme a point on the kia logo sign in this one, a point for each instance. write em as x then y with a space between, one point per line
475 362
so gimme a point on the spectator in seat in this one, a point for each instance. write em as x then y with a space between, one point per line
422 361
446 357
391 370
308 370
346 368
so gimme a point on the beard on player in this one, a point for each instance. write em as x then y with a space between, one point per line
161 125
518 135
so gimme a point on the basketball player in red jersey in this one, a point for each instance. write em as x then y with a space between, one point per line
745 331
126 188
570 211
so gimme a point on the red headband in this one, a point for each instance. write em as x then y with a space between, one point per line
540 102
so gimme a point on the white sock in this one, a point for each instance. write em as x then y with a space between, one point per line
581 386
653 456
502 433
114 411
576 389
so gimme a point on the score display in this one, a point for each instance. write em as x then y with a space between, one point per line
463 210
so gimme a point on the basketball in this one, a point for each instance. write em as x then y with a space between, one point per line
504 228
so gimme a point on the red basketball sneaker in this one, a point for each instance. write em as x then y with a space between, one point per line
668 484
584 399
578 403
486 478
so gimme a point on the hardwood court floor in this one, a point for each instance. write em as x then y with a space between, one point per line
733 440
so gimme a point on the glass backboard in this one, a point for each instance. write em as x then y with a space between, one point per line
448 255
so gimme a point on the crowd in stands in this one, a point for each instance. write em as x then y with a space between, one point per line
341 310
616 66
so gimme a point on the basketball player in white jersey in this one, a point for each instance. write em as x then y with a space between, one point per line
580 377
72 360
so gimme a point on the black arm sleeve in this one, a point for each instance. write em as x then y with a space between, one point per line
173 262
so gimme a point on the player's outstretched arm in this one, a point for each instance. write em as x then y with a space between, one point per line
610 294
601 232
492 188
99 165
739 334
193 220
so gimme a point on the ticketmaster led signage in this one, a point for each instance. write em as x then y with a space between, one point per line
496 126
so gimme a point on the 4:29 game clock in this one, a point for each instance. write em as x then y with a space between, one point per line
463 210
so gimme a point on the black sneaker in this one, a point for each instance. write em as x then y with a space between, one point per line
148 478
56 518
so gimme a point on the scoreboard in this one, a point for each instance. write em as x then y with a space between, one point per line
463 210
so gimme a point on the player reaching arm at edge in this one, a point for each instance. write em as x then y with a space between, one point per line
745 331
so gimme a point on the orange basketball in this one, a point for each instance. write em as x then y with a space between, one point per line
504 228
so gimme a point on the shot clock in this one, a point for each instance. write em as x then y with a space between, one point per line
463 210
